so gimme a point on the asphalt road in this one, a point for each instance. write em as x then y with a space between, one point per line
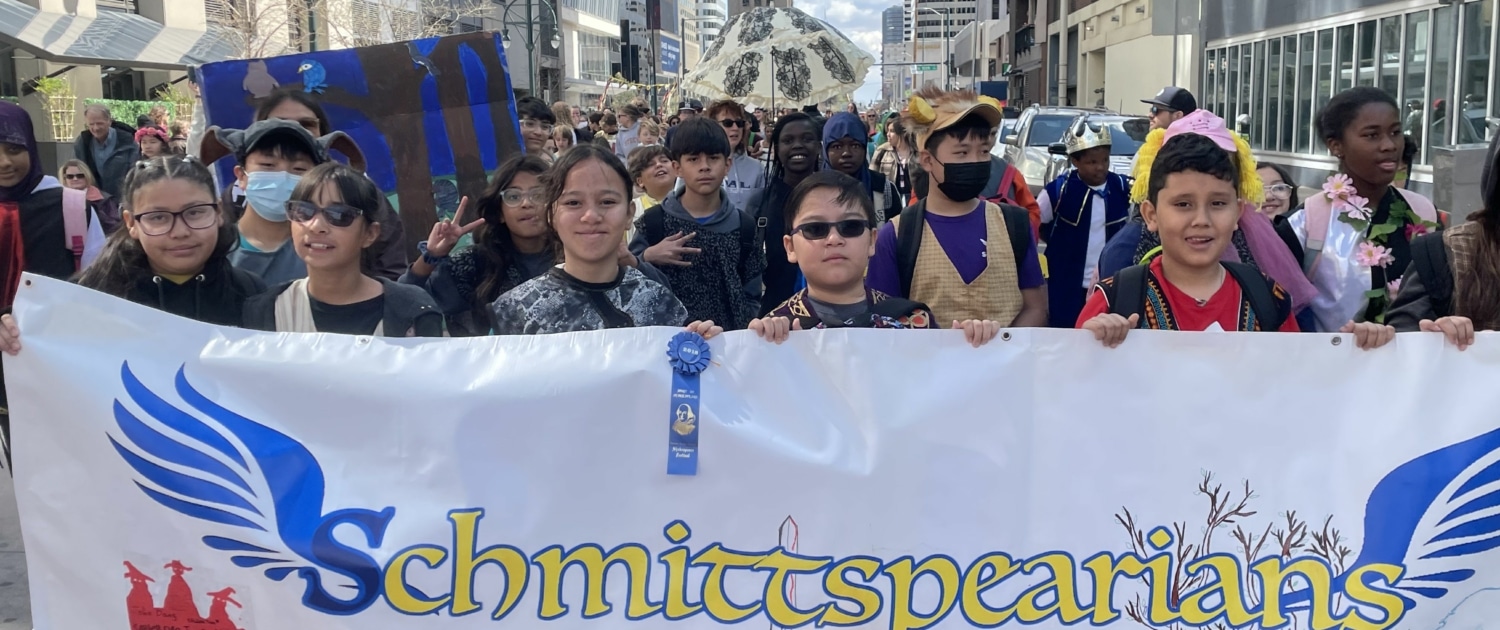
15 598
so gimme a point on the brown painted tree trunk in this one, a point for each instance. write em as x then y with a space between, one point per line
507 144
395 108
458 118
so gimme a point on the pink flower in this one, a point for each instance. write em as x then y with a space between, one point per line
1355 207
1370 255
1416 229
1338 187
1393 287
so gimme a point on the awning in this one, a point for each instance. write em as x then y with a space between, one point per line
111 39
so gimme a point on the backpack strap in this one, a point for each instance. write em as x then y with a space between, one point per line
1126 292
752 232
1429 256
1422 206
1008 185
1270 311
1018 227
75 223
908 240
1319 212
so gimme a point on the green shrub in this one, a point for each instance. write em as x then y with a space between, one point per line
128 111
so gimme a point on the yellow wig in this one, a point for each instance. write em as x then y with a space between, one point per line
1250 187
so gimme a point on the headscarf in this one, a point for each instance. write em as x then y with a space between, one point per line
1266 247
846 125
15 128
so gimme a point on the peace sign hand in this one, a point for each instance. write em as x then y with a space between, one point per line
445 234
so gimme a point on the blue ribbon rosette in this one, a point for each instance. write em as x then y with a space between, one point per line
689 355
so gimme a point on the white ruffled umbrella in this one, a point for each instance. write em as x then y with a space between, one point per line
774 57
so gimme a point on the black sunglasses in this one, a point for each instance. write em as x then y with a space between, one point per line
338 215
732 123
818 230
1157 110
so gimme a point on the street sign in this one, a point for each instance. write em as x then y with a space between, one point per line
927 67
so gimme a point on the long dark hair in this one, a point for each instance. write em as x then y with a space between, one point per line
1294 201
356 189
124 263
1478 297
492 242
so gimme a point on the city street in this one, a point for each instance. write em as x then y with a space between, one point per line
15 603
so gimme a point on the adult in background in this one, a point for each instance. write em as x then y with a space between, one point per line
746 174
107 147
75 174
1170 105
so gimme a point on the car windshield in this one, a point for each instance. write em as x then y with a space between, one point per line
1126 136
1047 130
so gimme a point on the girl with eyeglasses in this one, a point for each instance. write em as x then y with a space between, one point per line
332 213
1281 191
511 246
587 206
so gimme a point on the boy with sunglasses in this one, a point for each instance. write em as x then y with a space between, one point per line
830 223
271 156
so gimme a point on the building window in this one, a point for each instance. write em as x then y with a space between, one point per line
127 6
1303 130
1289 67
1390 56
1365 60
1273 96
1256 66
1345 78
1441 78
1324 83
1473 81
1418 36
594 55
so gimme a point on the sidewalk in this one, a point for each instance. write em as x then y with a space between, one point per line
15 598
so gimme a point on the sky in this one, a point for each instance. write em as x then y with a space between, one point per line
860 21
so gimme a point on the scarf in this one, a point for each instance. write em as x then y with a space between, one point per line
15 128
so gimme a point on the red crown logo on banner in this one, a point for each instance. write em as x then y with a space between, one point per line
179 611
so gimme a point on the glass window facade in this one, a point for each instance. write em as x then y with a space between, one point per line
607 9
1437 62
593 55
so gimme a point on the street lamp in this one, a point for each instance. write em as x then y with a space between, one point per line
530 25
943 13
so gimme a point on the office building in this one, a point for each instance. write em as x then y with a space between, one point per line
737 7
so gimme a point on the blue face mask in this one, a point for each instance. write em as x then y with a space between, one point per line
267 193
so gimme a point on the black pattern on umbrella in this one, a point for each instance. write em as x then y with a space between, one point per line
833 60
719 41
757 26
793 77
804 22
740 76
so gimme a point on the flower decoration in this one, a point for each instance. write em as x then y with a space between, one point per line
1371 255
1393 287
688 353
921 111
1354 207
1339 187
1416 229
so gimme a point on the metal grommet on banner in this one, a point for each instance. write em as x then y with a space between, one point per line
28 282
1338 340
1005 336
689 355
362 340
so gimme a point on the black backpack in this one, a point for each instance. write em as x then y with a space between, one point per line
1126 294
1430 258
913 222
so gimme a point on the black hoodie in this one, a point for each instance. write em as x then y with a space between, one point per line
217 295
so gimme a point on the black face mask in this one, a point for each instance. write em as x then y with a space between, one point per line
962 182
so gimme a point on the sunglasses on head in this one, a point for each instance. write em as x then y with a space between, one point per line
338 215
819 230
732 123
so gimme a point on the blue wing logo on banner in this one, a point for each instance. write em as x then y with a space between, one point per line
232 471
1424 522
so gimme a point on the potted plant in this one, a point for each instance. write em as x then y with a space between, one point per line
60 103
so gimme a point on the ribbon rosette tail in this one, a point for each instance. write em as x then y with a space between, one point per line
689 353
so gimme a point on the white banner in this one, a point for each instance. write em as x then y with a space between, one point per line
177 475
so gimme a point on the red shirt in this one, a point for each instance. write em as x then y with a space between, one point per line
1223 307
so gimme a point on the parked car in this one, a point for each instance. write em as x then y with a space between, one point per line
1028 147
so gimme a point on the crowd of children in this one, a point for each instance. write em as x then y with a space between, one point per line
924 230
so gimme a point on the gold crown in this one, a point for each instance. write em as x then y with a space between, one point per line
1082 137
